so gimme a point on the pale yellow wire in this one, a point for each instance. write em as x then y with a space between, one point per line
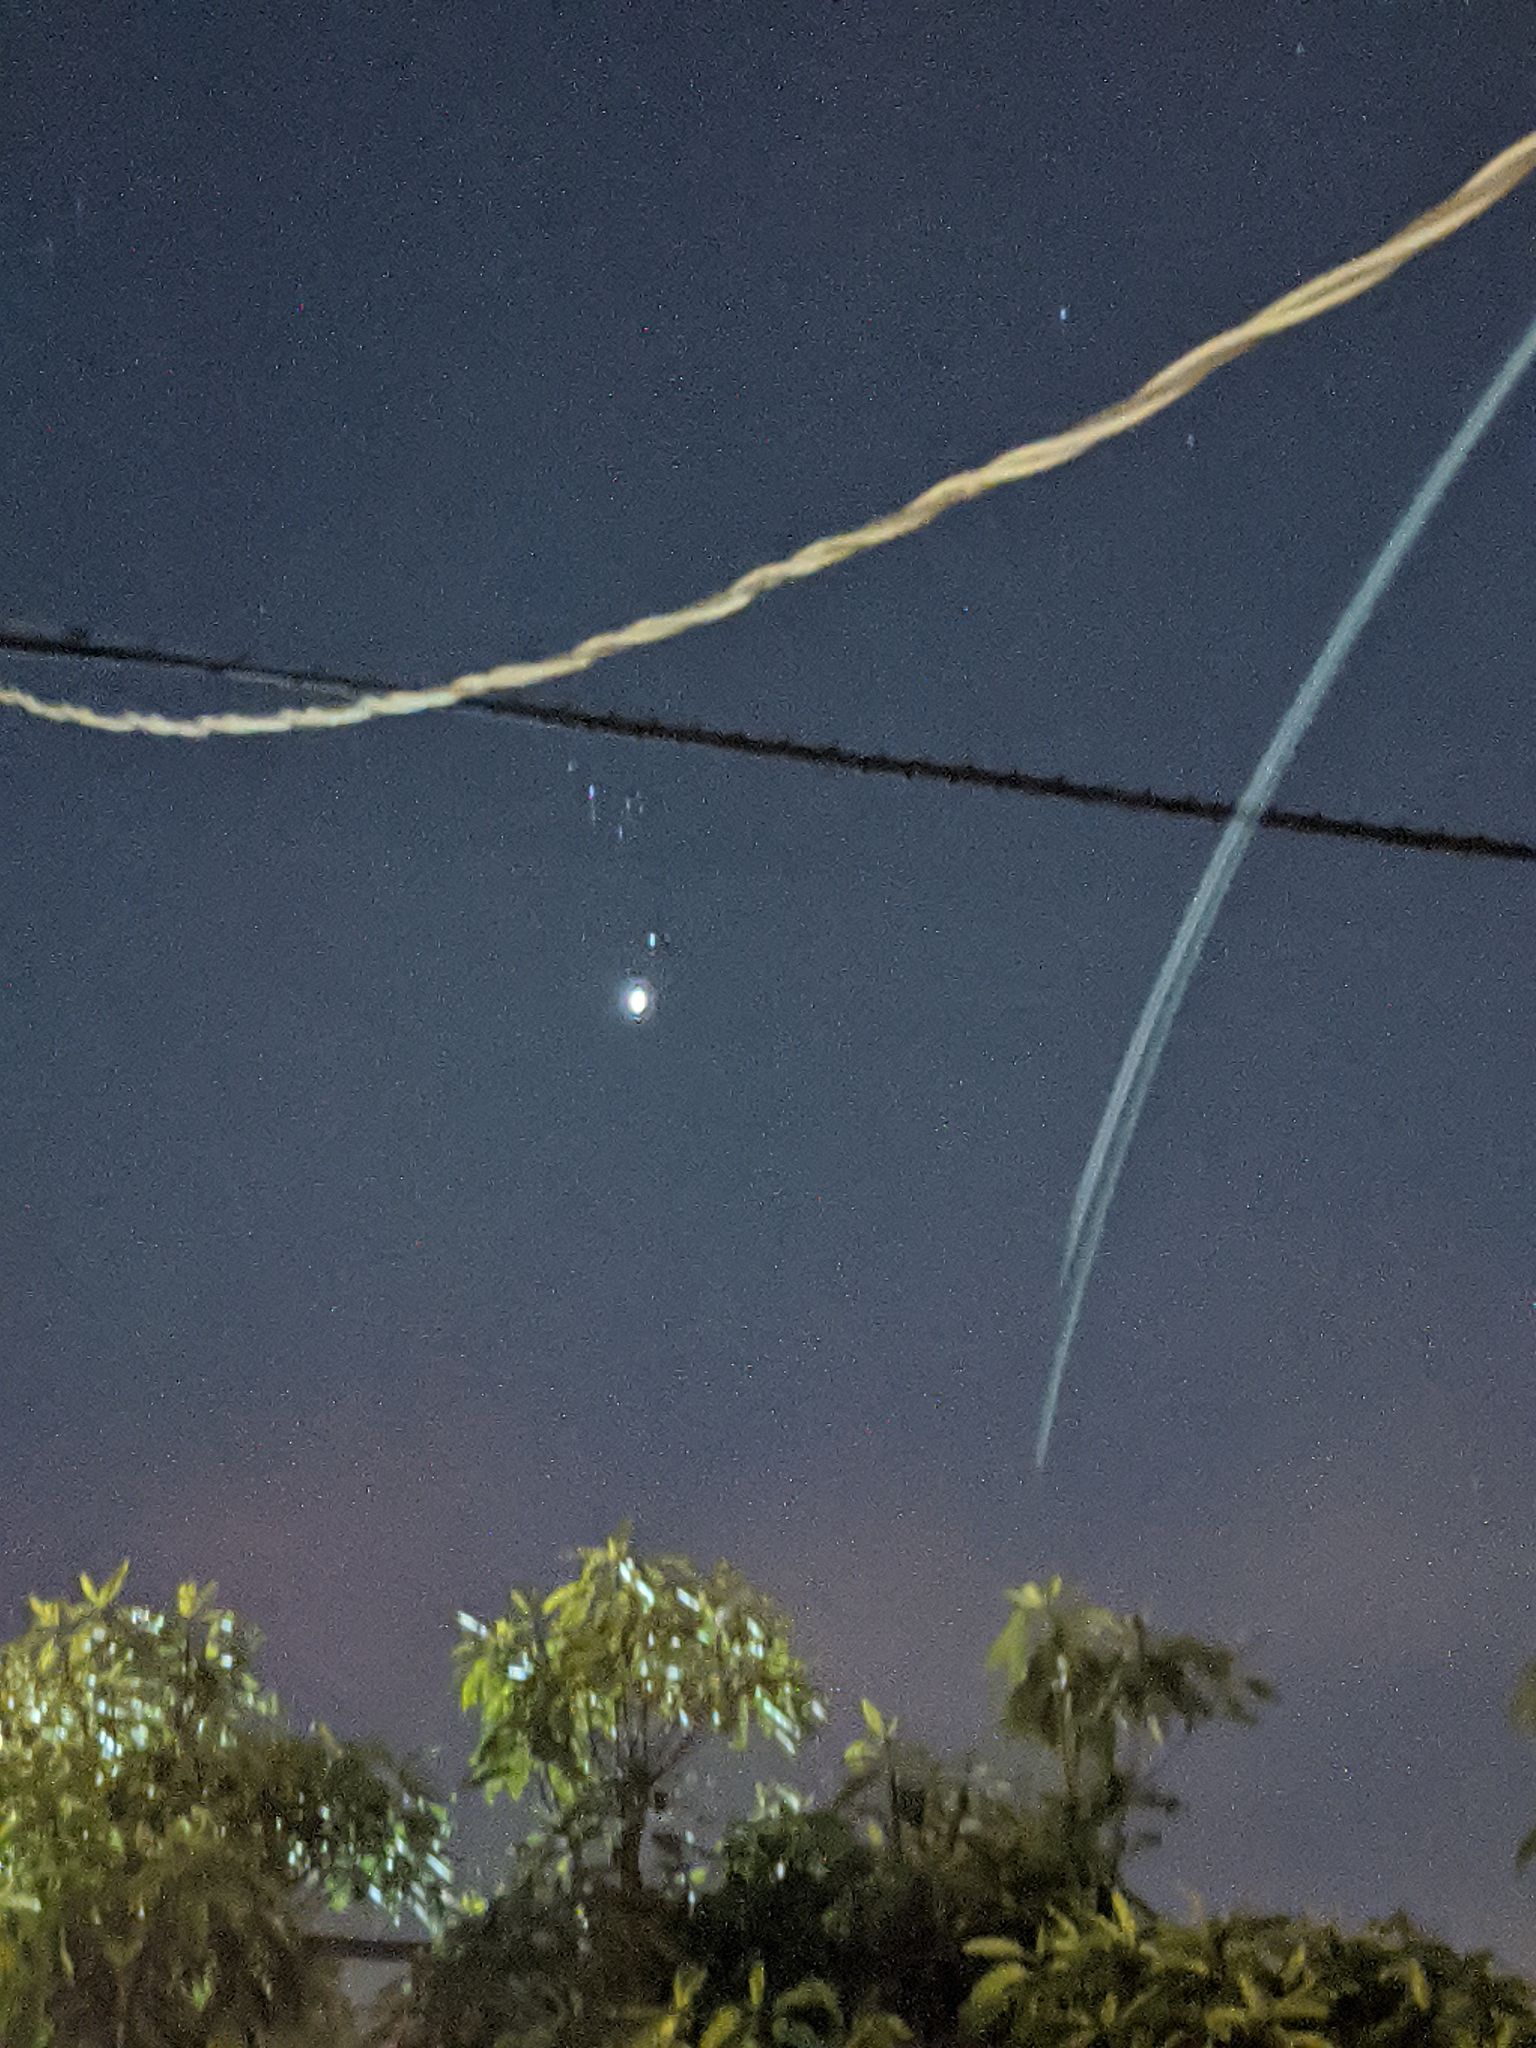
1320 295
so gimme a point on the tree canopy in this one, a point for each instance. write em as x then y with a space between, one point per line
164 1831
162 1827
599 1690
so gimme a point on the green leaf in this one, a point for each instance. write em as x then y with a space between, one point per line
722 2028
811 1994
1415 1980
993 1994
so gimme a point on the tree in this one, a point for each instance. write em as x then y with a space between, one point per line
161 1828
1119 1980
808 2015
592 1698
860 1924
597 1693
1098 1690
877 1893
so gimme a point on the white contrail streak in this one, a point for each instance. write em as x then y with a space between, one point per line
1122 1112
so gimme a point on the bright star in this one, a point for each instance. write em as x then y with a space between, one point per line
637 999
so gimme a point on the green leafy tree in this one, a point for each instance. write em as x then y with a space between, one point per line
592 1699
874 1909
961 1852
808 2015
798 1890
597 1693
879 1893
163 1828
524 1969
1123 1980
1099 1691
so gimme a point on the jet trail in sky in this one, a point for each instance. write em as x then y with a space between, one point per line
1122 1113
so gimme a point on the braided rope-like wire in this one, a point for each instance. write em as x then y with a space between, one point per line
1308 301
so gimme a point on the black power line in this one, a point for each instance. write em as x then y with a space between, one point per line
769 747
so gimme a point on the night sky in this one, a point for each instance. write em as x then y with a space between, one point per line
359 1254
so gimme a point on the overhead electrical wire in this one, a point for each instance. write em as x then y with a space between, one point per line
38 643
1307 302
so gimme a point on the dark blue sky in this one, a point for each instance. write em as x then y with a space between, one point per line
358 1255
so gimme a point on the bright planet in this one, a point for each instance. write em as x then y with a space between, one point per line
637 1000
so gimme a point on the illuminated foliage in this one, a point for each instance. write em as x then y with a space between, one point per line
877 1893
590 1699
880 1892
162 1829
1099 1691
863 1909
808 2015
162 1826
599 1691
1123 1980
